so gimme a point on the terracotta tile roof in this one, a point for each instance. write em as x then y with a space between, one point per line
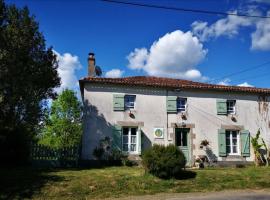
170 83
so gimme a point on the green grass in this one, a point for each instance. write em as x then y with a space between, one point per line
121 181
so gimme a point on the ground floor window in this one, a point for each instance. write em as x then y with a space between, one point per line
129 139
232 142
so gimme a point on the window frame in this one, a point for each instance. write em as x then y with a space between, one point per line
129 140
125 103
178 108
229 111
238 153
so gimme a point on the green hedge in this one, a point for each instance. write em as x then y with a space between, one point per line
164 161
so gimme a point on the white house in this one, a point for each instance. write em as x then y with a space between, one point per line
137 112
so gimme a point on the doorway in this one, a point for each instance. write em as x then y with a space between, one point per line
182 140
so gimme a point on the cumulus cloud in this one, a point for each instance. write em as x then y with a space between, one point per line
231 25
225 82
137 58
176 54
245 84
228 26
114 73
68 64
261 37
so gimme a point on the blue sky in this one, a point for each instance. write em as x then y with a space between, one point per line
169 43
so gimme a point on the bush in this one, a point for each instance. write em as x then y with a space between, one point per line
108 156
164 161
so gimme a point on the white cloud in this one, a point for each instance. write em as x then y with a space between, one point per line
231 25
114 73
228 26
226 81
137 58
261 37
176 54
68 64
245 84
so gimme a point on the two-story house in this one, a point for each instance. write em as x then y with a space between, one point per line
137 112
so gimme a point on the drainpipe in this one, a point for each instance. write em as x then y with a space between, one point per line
167 130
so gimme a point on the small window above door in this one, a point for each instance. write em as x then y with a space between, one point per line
231 106
181 104
129 101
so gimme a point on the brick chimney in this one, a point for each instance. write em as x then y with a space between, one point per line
91 65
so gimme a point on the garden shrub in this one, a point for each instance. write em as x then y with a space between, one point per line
164 161
106 155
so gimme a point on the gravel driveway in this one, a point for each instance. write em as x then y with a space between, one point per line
223 195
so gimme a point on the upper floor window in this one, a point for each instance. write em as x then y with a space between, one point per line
129 101
231 106
181 104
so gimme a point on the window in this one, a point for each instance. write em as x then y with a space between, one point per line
129 139
231 106
232 142
129 101
181 104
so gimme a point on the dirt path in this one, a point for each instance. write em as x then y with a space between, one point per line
223 195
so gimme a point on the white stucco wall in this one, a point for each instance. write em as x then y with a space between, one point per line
150 108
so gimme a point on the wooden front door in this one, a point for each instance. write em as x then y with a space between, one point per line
182 140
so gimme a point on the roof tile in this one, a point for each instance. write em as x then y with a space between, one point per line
161 82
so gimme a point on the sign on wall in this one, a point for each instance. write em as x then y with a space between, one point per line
159 133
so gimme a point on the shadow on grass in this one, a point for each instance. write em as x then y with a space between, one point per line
21 183
186 174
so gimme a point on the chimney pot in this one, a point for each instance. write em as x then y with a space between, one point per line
91 64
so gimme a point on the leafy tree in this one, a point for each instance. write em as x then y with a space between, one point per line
98 71
28 74
63 126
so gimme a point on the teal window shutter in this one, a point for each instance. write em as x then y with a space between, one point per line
222 142
139 141
171 104
118 102
117 138
221 106
245 143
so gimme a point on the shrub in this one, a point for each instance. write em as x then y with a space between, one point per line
106 155
164 161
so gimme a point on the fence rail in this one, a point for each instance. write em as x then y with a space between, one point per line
62 157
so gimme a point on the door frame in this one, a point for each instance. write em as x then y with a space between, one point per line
191 137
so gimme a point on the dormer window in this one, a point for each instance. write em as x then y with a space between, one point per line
129 101
181 104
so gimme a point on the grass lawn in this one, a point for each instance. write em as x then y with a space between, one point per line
121 181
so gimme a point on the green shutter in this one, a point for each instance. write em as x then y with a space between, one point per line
139 141
245 143
222 142
221 107
117 137
118 102
171 104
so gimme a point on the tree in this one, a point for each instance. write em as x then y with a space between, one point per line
63 127
98 71
28 75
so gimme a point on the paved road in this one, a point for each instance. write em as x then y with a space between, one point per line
224 195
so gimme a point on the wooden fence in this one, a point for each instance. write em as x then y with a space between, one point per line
43 156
